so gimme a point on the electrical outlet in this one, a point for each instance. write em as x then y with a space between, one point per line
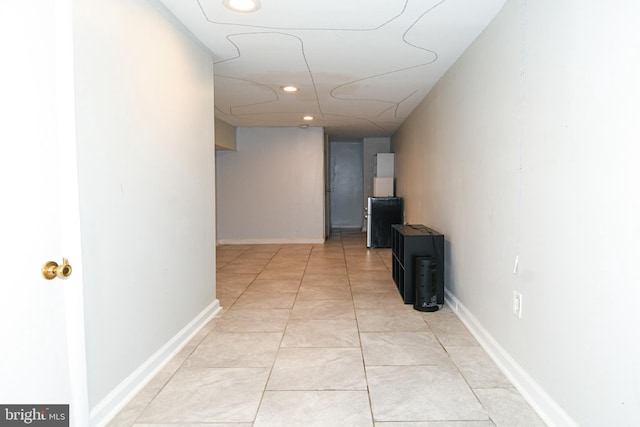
517 304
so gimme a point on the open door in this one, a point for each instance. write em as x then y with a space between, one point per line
42 361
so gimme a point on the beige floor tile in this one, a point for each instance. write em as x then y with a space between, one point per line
321 333
258 299
236 350
323 273
373 286
286 267
383 295
314 409
188 396
241 268
288 350
336 253
234 278
276 286
233 248
326 263
323 292
130 413
196 425
421 393
357 267
325 281
254 256
295 249
226 304
323 309
368 275
382 320
290 258
318 369
240 319
231 291
477 367
449 329
275 274
437 424
271 248
402 348
386 300
508 408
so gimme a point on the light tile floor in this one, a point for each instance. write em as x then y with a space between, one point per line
317 335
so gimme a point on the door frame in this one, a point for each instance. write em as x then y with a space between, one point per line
70 211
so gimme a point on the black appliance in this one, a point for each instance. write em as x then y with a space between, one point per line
382 213
425 284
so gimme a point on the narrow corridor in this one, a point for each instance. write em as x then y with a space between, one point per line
317 335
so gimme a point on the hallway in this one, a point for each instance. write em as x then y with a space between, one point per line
317 335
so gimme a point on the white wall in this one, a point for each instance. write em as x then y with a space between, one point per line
272 188
145 121
529 147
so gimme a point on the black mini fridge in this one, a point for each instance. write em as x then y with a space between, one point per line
382 213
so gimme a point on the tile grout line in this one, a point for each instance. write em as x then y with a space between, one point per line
275 358
355 314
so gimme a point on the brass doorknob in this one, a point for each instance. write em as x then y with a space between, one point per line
51 270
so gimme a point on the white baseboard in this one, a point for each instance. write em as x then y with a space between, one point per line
113 403
550 412
303 241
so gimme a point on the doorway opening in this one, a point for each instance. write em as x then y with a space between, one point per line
345 187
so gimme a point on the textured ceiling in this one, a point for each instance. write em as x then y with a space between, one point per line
362 66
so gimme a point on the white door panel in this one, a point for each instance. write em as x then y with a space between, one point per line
39 220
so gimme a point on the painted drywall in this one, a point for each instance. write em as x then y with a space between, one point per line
272 188
144 100
528 147
225 136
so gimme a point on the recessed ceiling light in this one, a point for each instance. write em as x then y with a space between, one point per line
307 118
289 89
242 5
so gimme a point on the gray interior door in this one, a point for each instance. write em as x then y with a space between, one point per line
345 167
